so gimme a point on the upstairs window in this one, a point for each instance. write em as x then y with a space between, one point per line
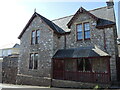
79 31
35 38
83 31
86 30
33 62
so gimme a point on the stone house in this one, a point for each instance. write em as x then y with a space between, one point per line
9 50
80 48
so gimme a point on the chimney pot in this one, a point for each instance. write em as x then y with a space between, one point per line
110 3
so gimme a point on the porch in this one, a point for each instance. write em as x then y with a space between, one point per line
81 69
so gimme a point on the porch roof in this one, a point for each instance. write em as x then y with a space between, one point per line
79 53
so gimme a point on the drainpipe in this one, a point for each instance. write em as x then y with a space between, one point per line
51 72
104 39
65 42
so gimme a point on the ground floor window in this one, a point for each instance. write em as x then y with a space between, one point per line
83 64
33 62
70 65
100 65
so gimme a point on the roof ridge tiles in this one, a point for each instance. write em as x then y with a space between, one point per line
62 17
73 15
97 8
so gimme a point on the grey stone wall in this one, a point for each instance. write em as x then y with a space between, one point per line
112 51
58 42
1 60
44 50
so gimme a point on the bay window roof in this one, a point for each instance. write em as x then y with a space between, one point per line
81 52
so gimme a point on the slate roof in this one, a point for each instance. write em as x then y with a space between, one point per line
53 26
102 23
79 53
105 17
62 22
16 46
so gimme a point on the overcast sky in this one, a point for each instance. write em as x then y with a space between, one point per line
16 13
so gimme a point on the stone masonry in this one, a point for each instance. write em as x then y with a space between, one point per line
9 69
44 49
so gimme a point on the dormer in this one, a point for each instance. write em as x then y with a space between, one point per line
80 12
82 24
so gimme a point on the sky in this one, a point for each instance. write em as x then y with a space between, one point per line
16 13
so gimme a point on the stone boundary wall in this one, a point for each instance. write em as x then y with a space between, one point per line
31 80
1 60
9 70
73 84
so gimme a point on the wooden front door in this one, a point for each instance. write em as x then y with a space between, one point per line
58 69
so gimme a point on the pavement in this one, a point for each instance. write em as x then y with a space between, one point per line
19 86
24 87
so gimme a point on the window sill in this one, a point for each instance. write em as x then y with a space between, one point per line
82 39
87 39
34 44
32 69
84 71
79 39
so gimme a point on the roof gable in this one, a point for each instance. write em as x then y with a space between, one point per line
31 19
53 26
81 10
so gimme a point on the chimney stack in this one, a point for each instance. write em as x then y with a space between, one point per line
110 3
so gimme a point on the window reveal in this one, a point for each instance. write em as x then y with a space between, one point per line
86 30
79 31
35 38
83 65
83 31
33 62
